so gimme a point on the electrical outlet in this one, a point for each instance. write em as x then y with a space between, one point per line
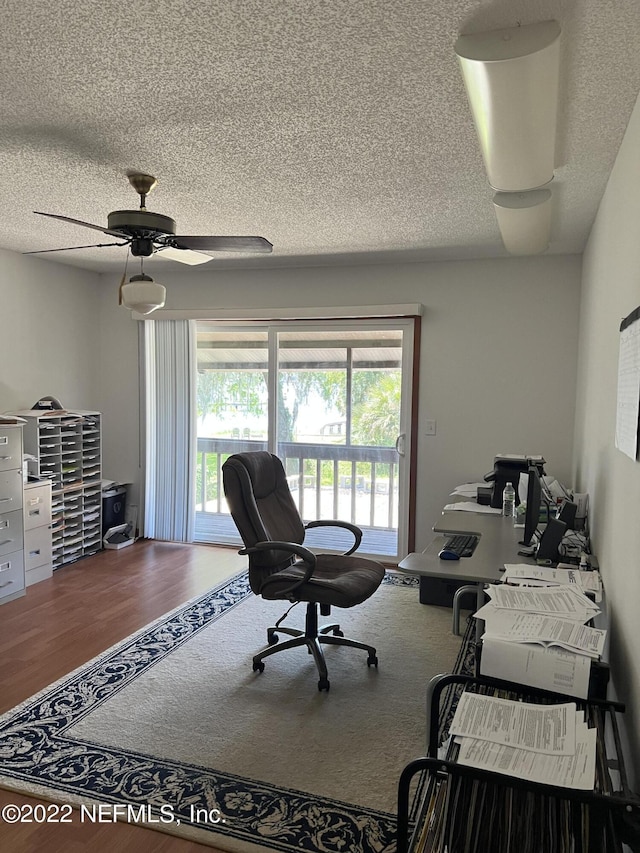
430 428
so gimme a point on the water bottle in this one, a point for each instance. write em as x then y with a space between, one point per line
509 501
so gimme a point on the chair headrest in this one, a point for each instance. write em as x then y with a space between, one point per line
262 506
264 469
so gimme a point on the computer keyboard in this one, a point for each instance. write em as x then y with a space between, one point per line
462 543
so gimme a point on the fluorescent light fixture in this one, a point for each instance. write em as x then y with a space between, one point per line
524 220
184 256
143 294
511 77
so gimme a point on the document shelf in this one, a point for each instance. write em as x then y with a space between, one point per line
66 449
459 809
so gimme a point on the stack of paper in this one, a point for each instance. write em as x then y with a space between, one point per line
551 744
468 490
567 601
537 636
522 627
526 575
472 506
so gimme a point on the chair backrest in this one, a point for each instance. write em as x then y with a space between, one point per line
263 509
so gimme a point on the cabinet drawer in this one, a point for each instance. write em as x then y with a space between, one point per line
10 448
11 574
37 506
11 537
10 490
37 547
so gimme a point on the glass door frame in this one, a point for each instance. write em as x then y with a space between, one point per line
410 328
406 459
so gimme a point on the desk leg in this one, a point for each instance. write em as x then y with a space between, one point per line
464 590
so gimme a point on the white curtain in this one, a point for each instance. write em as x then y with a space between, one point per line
170 433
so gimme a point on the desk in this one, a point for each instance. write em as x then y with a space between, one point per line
470 799
498 544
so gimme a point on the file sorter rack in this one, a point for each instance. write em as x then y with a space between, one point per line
66 449
460 809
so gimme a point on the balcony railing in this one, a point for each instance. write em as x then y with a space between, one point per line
357 484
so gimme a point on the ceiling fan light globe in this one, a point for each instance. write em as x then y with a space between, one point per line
143 295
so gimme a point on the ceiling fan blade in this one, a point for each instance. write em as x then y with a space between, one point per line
184 256
80 222
68 248
223 244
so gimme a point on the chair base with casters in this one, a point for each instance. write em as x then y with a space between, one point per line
313 638
281 568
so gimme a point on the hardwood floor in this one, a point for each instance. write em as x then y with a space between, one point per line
63 622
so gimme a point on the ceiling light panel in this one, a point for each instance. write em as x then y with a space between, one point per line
524 220
511 77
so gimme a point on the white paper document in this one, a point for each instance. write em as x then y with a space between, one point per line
566 771
472 506
547 668
564 601
523 627
590 580
564 575
628 401
550 729
468 490
549 576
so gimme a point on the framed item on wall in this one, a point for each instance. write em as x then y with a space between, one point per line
628 402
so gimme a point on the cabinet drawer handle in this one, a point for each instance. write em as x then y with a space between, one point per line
5 500
4 439
8 583
33 513
5 542
5 458
4 567
34 553
4 525
34 501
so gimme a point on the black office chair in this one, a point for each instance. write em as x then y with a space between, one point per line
280 567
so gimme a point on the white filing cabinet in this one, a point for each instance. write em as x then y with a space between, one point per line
37 531
12 582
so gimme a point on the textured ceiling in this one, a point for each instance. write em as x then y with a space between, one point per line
338 130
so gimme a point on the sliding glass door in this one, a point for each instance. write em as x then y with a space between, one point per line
332 400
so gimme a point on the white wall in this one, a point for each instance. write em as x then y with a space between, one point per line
611 290
498 351
498 364
116 347
498 357
48 322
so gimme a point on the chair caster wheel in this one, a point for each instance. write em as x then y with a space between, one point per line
258 666
372 660
323 684
338 633
272 638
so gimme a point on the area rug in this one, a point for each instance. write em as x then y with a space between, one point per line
173 730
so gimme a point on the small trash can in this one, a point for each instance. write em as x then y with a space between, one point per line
114 502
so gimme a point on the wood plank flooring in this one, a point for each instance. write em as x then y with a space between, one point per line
63 622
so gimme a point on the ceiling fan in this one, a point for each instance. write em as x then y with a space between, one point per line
147 233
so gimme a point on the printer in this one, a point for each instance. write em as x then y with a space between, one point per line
507 468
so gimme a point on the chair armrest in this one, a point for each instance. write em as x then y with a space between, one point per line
305 554
328 522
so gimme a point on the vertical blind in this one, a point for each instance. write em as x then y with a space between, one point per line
170 445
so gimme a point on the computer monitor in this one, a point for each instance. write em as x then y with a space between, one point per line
534 499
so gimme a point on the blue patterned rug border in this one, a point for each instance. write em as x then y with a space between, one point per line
35 750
